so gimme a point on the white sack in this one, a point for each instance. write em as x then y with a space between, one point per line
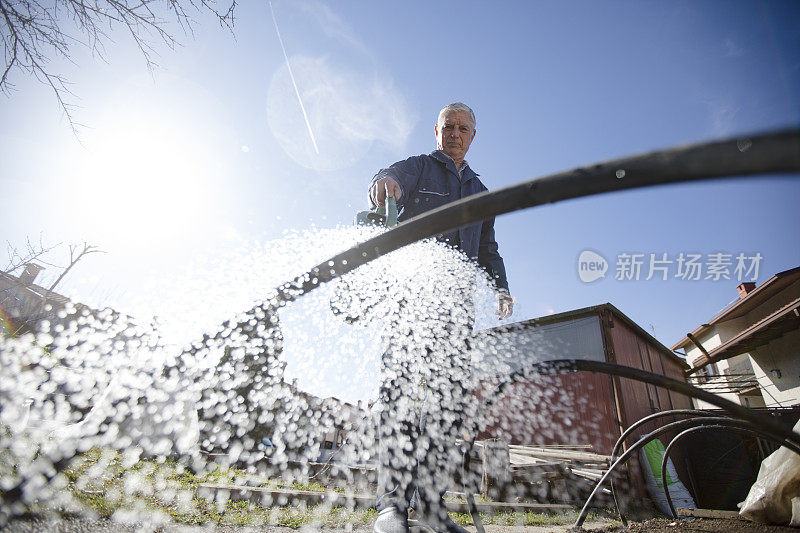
775 496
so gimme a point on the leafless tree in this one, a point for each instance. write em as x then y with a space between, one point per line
38 251
34 31
75 255
19 257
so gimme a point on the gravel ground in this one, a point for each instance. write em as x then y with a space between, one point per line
604 526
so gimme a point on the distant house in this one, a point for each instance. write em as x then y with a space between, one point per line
244 396
313 429
67 329
23 304
579 408
750 351
582 407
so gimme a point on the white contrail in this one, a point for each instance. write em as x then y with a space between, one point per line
291 74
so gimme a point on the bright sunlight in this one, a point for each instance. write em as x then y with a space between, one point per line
141 181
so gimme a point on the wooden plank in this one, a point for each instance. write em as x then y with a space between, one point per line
553 446
522 459
586 457
708 513
587 474
539 467
567 447
491 507
282 497
535 477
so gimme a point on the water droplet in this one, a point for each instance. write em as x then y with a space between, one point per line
744 144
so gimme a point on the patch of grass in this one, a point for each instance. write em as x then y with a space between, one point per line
527 518
102 481
312 486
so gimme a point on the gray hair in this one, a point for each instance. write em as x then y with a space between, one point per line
457 106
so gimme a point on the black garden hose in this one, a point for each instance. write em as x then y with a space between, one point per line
745 417
726 427
769 153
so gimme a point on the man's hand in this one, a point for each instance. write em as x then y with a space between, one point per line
505 305
384 187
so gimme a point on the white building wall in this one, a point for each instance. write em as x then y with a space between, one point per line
783 355
716 336
710 340
780 354
731 328
783 298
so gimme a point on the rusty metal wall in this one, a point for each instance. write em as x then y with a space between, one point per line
637 400
581 408
576 409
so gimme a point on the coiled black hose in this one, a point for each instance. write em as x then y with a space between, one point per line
721 421
744 417
746 155
638 423
684 433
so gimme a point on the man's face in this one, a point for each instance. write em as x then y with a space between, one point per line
454 134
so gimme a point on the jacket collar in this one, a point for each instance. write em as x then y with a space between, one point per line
466 174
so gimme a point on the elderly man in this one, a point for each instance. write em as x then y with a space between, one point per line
412 462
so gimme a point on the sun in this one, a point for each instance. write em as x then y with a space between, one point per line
141 181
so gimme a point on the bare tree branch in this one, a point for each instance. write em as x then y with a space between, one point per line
38 251
33 32
33 251
73 260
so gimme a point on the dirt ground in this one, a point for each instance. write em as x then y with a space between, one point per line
604 526
666 525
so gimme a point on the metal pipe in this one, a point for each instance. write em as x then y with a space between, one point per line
466 474
670 427
679 436
698 344
561 366
627 432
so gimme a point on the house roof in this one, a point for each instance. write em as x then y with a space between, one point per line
742 306
593 310
785 319
12 286
9 281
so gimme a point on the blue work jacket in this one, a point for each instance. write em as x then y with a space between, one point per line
431 180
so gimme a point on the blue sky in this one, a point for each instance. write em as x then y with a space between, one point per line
209 153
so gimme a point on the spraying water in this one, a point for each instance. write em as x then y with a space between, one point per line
95 403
